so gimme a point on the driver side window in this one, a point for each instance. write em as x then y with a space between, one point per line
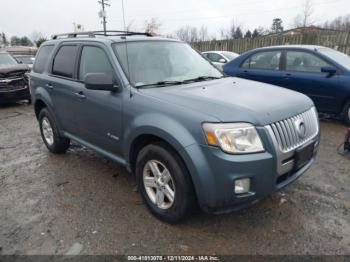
304 62
94 60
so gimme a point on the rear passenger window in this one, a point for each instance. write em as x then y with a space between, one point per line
64 62
94 60
304 62
264 60
42 58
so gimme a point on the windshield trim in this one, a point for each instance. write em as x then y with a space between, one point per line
125 70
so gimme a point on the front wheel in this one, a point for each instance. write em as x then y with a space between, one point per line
164 183
346 113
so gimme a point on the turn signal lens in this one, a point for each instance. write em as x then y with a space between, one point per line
211 138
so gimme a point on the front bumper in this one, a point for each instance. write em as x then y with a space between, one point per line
13 95
214 173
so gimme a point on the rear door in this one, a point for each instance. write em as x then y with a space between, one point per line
62 85
263 66
99 116
302 73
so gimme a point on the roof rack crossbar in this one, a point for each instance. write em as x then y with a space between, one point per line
93 34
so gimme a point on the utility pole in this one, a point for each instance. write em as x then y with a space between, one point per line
102 14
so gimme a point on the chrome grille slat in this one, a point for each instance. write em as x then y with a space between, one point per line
286 133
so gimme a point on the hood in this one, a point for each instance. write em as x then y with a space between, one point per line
13 70
235 99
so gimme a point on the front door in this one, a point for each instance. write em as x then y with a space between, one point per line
303 74
100 114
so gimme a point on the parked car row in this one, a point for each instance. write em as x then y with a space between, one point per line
189 133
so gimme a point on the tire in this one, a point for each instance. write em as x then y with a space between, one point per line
346 113
165 159
50 133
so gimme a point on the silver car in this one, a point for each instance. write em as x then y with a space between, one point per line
220 58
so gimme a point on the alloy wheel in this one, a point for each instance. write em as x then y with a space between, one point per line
159 184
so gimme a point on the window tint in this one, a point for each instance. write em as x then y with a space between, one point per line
304 62
214 57
64 62
94 60
42 58
264 60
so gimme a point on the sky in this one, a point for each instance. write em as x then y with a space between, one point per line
25 17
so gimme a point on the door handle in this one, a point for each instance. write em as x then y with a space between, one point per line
80 95
287 76
49 86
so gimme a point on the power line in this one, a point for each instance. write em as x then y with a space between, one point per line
103 15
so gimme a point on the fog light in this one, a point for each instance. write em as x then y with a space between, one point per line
242 186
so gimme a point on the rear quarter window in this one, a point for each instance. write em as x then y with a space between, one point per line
42 58
64 61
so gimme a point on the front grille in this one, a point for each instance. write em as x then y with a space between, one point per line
296 131
12 84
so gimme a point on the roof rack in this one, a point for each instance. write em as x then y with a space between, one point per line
93 34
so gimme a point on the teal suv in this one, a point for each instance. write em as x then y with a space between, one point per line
191 135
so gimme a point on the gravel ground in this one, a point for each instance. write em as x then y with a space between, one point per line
52 204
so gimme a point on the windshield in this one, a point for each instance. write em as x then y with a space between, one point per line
7 60
230 55
152 62
336 56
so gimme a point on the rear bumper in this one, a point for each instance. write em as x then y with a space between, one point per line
14 95
214 173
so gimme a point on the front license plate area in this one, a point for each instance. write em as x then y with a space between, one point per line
303 155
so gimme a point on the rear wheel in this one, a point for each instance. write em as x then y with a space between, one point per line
346 113
50 134
164 183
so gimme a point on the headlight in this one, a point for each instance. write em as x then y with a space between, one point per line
236 138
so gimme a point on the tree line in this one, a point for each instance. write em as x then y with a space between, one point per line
20 41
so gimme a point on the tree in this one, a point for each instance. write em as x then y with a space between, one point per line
15 40
238 33
40 41
248 34
255 33
152 26
25 41
203 34
3 39
277 26
306 17
230 31
188 34
340 23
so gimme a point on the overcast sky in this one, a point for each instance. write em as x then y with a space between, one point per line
23 17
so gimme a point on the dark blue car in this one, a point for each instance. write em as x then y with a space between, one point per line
319 72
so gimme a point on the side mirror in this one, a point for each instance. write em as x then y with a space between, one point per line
100 81
223 61
329 70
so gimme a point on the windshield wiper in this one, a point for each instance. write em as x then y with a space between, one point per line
201 78
162 83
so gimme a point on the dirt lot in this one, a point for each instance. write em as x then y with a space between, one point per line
54 204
